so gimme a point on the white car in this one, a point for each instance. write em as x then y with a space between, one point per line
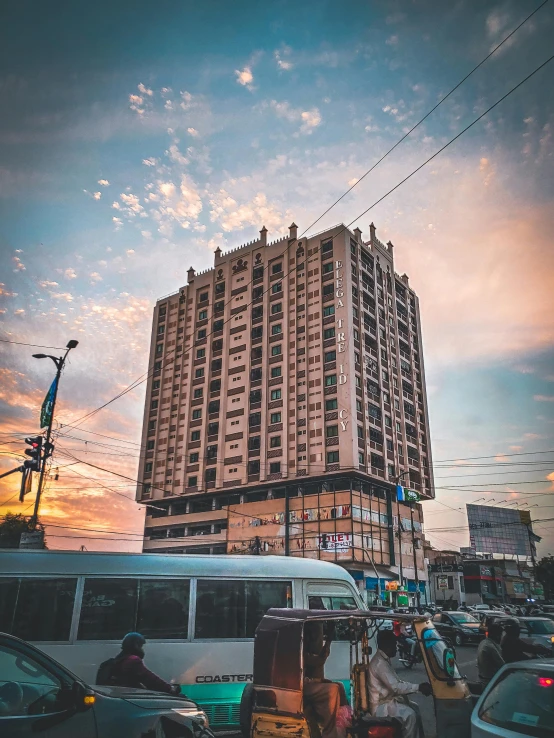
519 701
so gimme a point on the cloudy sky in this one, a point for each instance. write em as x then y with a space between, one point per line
137 137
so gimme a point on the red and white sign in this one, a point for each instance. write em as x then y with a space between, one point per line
335 542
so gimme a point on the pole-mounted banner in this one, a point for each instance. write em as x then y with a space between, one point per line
399 493
47 405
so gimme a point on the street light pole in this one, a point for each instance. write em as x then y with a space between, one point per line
416 577
59 362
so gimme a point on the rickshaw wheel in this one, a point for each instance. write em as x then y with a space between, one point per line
245 712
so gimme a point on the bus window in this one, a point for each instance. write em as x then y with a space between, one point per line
108 610
163 608
37 609
233 609
320 602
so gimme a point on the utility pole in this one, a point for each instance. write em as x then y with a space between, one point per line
48 413
416 576
400 566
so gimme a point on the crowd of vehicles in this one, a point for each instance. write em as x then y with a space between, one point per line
217 624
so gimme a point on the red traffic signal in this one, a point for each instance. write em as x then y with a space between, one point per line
34 452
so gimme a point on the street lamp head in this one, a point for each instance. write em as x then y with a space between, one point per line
72 344
40 356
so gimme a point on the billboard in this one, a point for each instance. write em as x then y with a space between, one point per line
500 530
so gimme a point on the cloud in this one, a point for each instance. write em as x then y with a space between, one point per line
145 90
151 162
285 64
6 293
232 215
192 132
130 252
69 273
516 448
177 204
19 311
18 264
245 78
136 102
129 206
550 478
97 195
176 156
309 119
392 41
103 183
47 284
543 398
95 277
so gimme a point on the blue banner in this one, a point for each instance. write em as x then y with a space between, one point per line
48 405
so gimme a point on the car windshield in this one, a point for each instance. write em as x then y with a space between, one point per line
540 627
522 701
463 617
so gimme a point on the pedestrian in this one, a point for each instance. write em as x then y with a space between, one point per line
489 654
127 669
513 647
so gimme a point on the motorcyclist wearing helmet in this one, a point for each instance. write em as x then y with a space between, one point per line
513 647
129 670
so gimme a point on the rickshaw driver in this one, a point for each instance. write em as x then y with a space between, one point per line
386 689
322 695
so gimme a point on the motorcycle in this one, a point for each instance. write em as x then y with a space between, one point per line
408 654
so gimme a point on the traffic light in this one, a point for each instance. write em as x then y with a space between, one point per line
34 452
48 450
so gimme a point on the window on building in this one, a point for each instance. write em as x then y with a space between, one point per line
276 268
160 348
203 315
210 475
257 292
276 329
156 384
193 458
390 445
276 394
328 333
390 468
331 404
255 419
275 442
201 334
359 406
218 345
154 405
201 353
258 272
330 356
150 445
327 246
277 307
199 373
218 325
361 458
257 312
198 392
254 467
211 452
195 435
216 365
332 457
275 467
220 288
332 431
328 289
219 306
213 429
196 414
213 406
215 385
157 367
360 431
275 418
330 380
328 310
328 267
277 287
254 443
148 467
276 350
257 331
275 372
256 353
255 396
203 297
192 482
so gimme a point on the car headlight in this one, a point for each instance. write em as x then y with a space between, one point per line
194 714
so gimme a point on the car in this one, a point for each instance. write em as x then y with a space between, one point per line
486 617
39 696
538 630
459 627
518 701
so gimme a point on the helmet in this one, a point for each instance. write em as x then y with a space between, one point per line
133 643
511 625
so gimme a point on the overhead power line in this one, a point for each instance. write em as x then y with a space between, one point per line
34 345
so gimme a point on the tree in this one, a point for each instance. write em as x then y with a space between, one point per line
12 527
544 571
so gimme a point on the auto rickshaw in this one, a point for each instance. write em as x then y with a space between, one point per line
277 708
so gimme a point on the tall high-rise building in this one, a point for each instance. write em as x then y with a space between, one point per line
285 401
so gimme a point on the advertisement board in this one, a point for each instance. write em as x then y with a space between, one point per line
442 582
499 530
335 541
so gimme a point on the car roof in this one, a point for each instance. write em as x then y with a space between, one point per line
290 613
545 665
533 617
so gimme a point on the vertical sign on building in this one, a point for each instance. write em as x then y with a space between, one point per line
341 337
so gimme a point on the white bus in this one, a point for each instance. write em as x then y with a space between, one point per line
198 613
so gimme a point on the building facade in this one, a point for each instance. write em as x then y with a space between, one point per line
286 396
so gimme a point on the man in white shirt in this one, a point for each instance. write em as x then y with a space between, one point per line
387 693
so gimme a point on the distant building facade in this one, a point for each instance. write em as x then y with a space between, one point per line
286 395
